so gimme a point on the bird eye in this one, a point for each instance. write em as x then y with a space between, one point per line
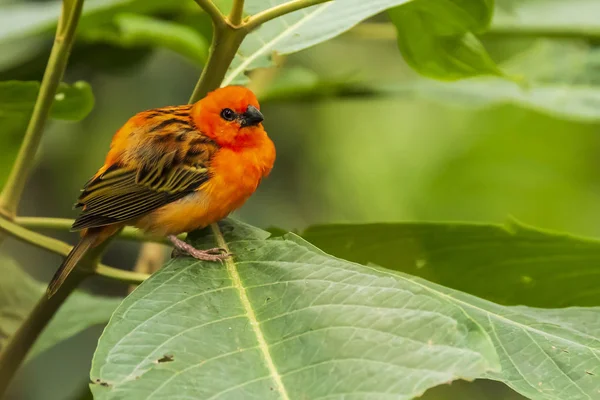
228 114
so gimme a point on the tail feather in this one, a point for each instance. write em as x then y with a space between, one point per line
87 241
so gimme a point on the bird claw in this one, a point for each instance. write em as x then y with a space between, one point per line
215 254
182 248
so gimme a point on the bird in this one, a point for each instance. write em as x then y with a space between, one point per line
175 169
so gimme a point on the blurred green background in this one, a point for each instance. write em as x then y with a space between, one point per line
389 152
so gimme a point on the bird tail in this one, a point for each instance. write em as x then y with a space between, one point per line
87 241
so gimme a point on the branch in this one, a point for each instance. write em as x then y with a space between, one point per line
225 44
19 344
63 224
57 63
267 15
237 11
121 275
61 248
213 12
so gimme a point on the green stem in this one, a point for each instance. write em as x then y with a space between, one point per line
213 12
128 233
121 275
18 346
16 350
57 63
225 43
265 16
237 11
61 248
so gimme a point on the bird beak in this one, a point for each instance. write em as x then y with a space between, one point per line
251 117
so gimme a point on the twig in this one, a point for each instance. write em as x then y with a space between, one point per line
16 350
213 12
225 44
265 16
128 233
237 11
121 275
61 248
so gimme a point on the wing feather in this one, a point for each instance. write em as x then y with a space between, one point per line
123 193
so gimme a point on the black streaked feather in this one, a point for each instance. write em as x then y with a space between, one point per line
164 124
123 193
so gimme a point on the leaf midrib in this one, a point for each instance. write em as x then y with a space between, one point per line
260 338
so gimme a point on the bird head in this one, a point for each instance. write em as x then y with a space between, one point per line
230 116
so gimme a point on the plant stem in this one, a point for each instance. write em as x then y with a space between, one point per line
211 9
18 346
265 16
15 351
61 248
237 11
225 43
128 233
121 275
57 63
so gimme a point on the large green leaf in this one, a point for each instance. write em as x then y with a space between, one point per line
19 294
436 37
509 264
298 30
17 98
285 320
562 80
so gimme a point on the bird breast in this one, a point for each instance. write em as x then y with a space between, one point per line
235 175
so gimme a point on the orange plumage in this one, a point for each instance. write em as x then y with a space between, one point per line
175 169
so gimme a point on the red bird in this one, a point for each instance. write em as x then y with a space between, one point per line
175 169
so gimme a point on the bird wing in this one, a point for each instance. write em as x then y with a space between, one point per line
123 193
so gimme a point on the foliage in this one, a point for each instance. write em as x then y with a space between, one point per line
510 264
343 322
72 102
343 310
18 294
437 38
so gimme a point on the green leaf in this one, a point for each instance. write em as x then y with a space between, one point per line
298 30
548 18
561 80
19 294
17 98
72 102
577 102
436 37
285 319
131 30
299 83
30 19
501 263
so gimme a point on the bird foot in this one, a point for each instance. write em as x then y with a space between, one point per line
214 254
